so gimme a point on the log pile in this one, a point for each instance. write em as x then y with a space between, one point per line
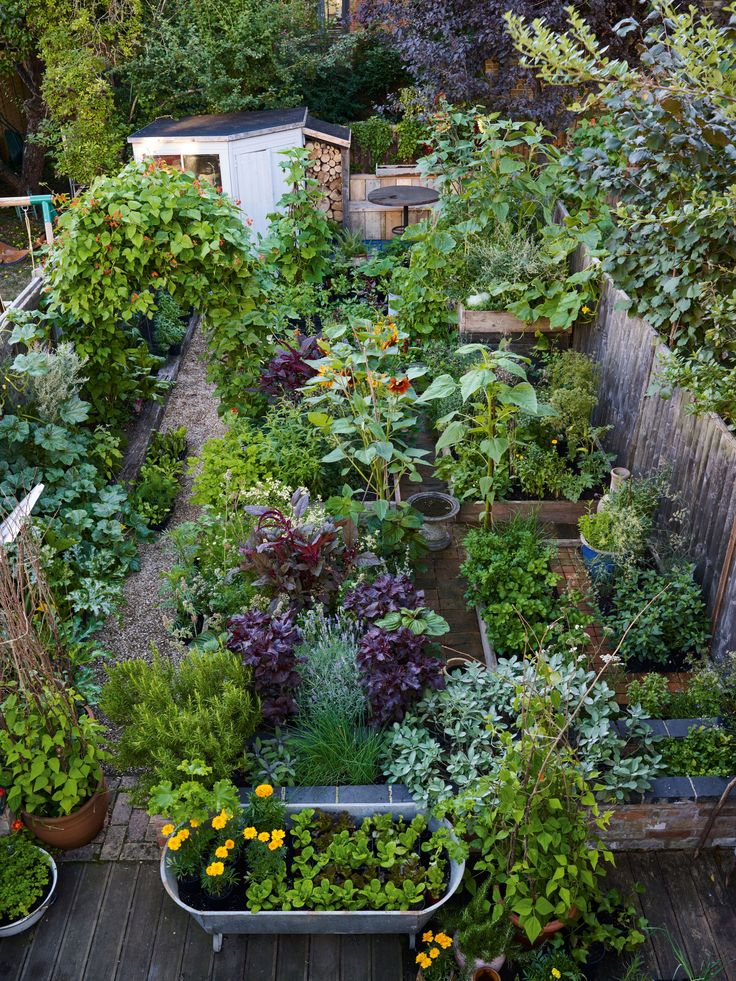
326 166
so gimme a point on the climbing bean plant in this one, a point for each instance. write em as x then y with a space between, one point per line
149 228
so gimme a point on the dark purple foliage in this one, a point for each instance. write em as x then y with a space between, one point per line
396 668
266 644
386 594
288 370
462 49
304 561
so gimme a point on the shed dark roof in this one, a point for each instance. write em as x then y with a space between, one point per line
233 125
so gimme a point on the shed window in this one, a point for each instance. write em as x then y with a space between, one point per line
206 166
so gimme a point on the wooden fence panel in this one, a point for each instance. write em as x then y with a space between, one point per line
650 432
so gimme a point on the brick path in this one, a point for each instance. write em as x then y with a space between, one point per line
128 835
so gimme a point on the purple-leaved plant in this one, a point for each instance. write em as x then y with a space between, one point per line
396 667
369 601
266 643
288 371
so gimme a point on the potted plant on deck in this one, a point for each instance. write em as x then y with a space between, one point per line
51 759
50 746
27 883
534 823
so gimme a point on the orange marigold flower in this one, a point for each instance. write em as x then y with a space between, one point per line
264 790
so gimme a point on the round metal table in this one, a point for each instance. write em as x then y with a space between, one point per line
403 196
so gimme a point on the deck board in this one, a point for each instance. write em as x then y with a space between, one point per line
114 921
135 955
71 962
46 941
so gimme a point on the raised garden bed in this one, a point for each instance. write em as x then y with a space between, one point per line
501 322
221 922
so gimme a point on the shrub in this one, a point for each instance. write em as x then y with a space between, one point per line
202 708
509 576
397 666
369 601
133 231
665 613
450 739
267 644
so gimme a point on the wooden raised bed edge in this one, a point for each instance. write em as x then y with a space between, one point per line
153 412
501 322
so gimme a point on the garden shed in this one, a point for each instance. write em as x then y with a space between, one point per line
239 151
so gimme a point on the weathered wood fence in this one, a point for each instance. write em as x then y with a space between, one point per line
649 432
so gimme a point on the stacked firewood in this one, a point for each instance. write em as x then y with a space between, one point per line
326 166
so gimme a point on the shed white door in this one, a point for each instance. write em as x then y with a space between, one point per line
260 184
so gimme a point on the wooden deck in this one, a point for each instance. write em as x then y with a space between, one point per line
113 922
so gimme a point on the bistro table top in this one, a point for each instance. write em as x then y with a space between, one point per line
403 195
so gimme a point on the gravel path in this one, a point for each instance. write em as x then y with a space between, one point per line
141 621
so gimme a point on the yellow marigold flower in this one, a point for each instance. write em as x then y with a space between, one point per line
216 868
221 852
278 833
174 843
427 937
264 836
443 940
425 962
229 843
249 833
264 790
219 822
555 972
434 952
194 823
273 845
167 829
554 442
184 834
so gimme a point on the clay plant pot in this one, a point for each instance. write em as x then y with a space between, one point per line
482 970
75 829
548 930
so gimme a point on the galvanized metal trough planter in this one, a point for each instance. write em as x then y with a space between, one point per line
221 922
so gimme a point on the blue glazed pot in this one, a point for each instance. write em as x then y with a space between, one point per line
600 565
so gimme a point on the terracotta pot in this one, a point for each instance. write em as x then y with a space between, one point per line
548 930
479 966
75 829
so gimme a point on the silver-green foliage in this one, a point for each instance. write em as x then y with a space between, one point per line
450 739
331 680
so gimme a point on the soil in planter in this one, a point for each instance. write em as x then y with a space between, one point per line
675 664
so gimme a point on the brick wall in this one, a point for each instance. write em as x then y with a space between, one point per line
670 824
